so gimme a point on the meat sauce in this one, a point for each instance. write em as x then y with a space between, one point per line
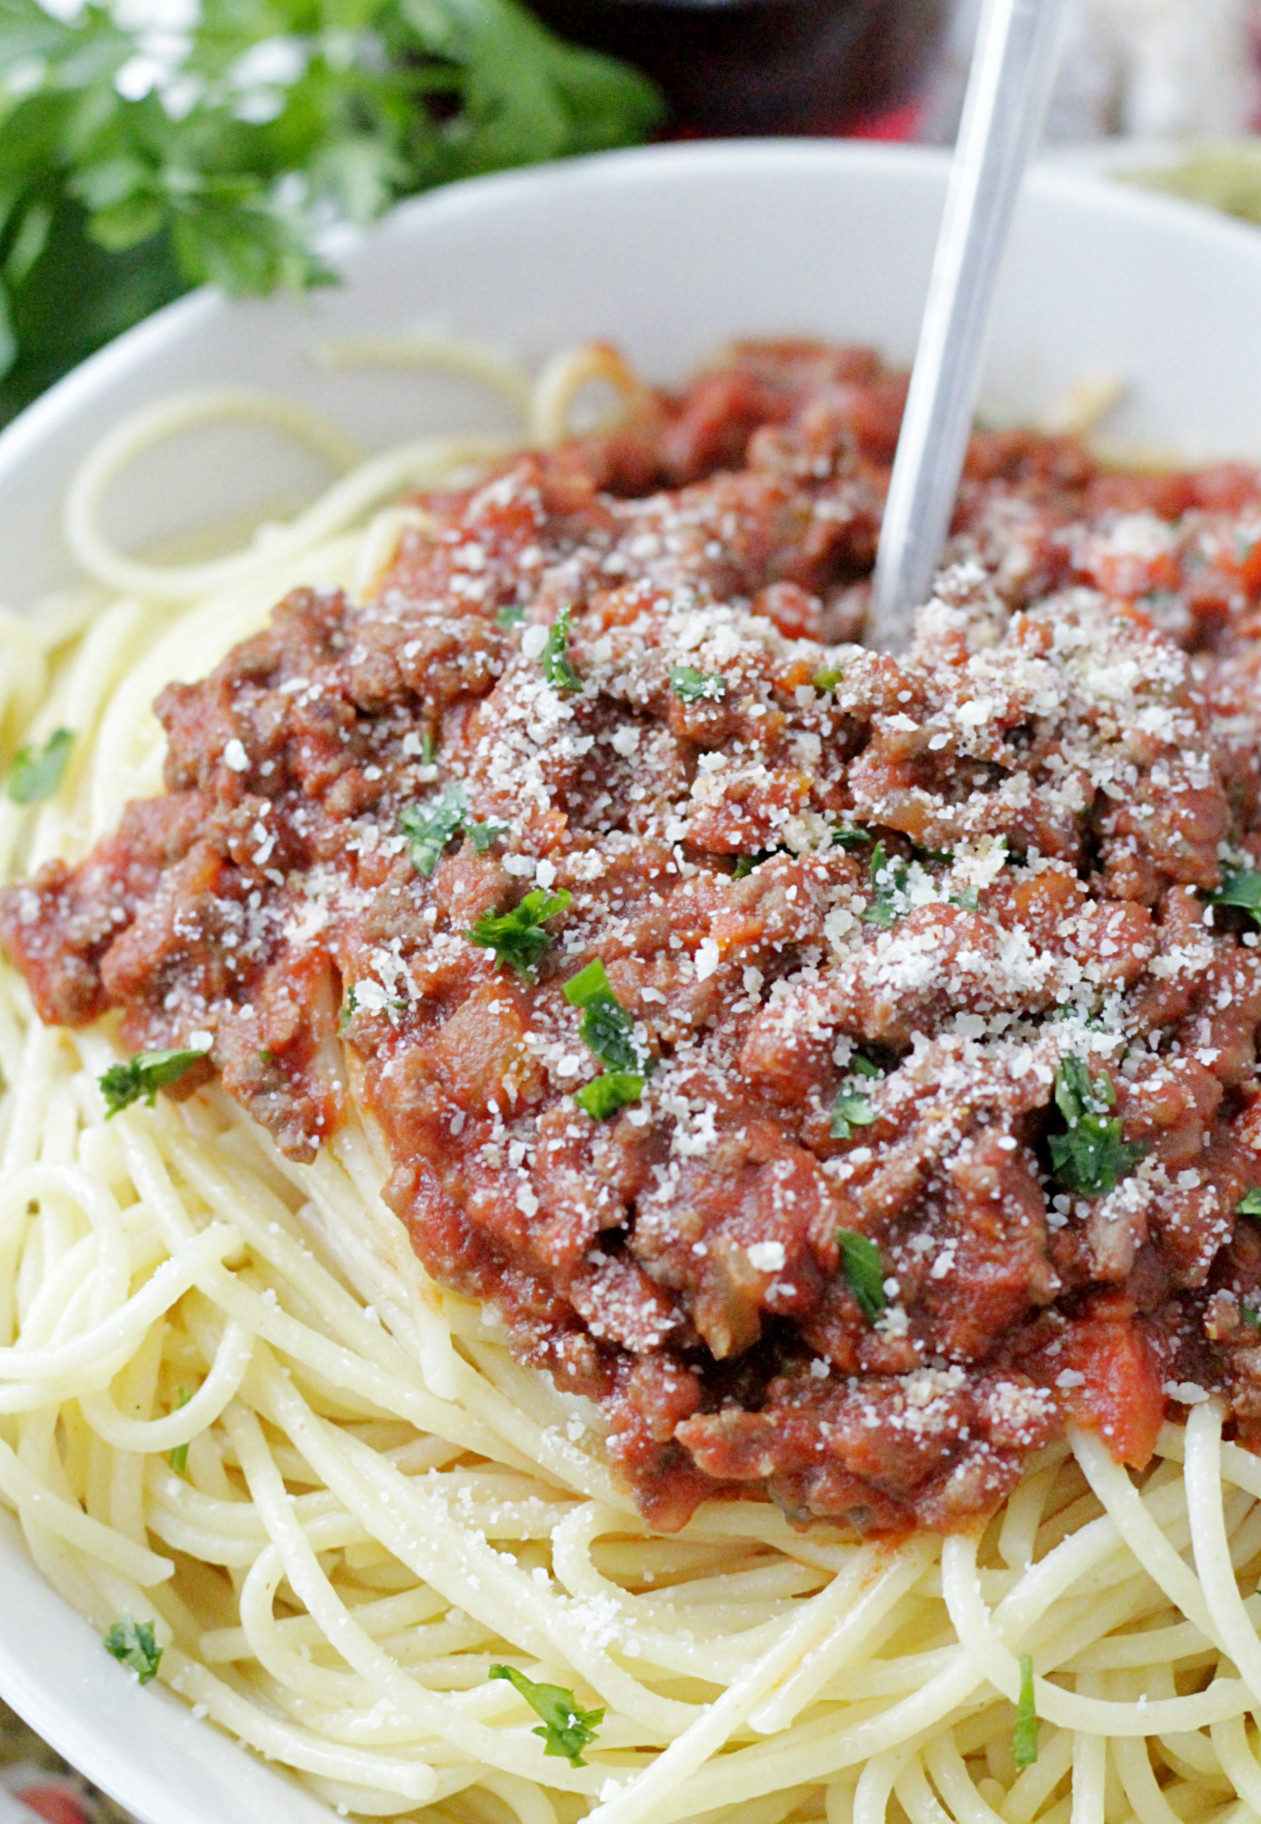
909 1112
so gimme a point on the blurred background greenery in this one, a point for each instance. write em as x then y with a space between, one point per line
147 146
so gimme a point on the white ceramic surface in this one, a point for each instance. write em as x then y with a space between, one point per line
667 252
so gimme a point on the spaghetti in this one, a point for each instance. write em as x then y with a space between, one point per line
232 1402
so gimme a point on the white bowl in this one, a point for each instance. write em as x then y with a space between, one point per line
667 252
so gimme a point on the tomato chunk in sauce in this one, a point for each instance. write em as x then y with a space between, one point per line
843 1068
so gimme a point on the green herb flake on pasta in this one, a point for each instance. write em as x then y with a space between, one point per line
144 1075
557 666
609 1092
37 772
430 827
1090 1157
889 876
179 1456
134 1644
520 937
864 1272
1024 1735
693 686
566 1728
850 1110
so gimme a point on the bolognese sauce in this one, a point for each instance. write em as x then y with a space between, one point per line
840 1066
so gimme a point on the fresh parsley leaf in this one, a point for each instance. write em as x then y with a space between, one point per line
611 1090
557 666
144 1075
510 616
850 838
1090 1157
428 748
430 827
1242 889
864 1272
864 1066
828 678
590 984
481 835
117 192
1250 1316
1024 1735
349 1008
969 899
518 937
179 1456
37 772
566 1728
1250 1203
850 1110
696 686
889 878
607 1029
133 1643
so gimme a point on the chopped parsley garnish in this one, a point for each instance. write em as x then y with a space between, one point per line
608 1031
1250 1317
1024 1735
37 772
1242 889
864 1066
430 827
969 899
557 668
428 749
611 1090
512 615
828 678
481 835
746 864
132 1643
864 1272
696 686
145 1075
179 1456
566 1728
1091 1156
850 838
350 1007
851 1110
518 937
889 880
1250 1203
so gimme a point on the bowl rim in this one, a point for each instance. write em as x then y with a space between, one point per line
1051 176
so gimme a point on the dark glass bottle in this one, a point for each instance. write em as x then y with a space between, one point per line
765 66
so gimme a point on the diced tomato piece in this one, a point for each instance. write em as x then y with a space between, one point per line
1122 1396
